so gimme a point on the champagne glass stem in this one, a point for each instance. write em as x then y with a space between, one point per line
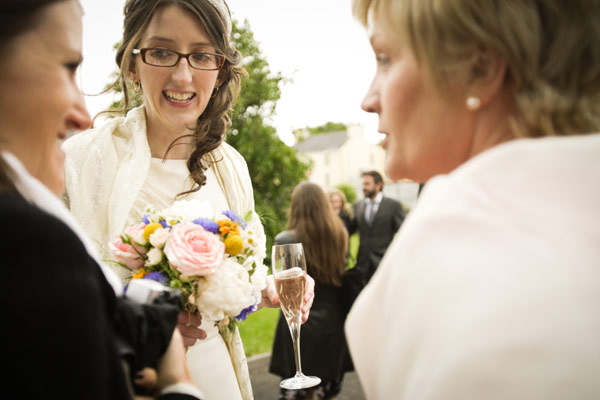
294 326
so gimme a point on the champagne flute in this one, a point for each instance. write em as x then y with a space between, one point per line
289 271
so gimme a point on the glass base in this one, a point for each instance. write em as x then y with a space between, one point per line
300 381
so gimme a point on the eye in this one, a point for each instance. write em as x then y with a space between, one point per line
72 66
201 57
160 53
382 59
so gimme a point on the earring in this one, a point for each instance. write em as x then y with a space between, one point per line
214 93
473 103
136 86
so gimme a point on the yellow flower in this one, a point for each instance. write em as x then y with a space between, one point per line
140 274
234 245
228 227
150 228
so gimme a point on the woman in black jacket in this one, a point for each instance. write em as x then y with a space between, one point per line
67 334
314 223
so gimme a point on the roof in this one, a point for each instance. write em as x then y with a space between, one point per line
322 142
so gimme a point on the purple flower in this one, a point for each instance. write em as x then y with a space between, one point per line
158 277
164 224
207 224
245 312
234 217
146 219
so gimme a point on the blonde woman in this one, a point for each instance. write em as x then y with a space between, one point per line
491 288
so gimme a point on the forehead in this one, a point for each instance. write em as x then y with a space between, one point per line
175 24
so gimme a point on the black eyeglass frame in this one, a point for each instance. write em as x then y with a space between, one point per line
142 52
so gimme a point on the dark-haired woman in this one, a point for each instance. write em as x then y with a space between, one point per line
314 223
178 57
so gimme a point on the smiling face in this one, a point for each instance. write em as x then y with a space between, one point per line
40 101
426 134
175 97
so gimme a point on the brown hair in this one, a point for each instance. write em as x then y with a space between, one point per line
214 121
321 232
551 48
16 18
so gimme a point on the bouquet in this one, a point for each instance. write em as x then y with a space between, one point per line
215 260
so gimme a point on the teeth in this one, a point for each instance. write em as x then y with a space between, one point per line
178 97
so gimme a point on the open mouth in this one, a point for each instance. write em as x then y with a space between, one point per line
178 97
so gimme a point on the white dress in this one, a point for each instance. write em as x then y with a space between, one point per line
491 288
208 360
108 176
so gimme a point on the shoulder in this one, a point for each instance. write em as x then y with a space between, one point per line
230 154
285 237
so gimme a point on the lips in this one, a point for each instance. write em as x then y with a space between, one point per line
178 97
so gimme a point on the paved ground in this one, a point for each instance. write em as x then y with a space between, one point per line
266 385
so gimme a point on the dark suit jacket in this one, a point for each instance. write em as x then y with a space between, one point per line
59 337
376 236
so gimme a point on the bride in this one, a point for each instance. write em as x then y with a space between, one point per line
177 56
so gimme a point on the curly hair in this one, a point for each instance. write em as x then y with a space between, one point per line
212 125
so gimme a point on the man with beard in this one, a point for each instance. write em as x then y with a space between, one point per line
377 218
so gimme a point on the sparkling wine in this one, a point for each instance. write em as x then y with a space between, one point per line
290 288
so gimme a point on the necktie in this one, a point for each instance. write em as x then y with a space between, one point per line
370 211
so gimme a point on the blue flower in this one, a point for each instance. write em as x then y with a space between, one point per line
164 224
245 312
207 224
146 219
234 217
158 277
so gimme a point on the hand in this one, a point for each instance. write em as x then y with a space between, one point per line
145 380
270 298
172 367
188 324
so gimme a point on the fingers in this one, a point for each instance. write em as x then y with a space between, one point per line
146 380
309 296
269 297
188 324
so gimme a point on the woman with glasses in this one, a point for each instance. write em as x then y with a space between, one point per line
177 55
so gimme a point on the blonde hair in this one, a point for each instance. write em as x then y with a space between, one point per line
551 48
345 205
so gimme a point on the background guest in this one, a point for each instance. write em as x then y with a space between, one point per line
340 205
491 288
313 222
377 218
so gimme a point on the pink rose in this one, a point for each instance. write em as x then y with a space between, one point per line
125 253
194 251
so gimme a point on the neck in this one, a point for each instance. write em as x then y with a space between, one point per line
161 137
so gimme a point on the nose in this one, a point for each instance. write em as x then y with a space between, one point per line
78 117
183 72
370 102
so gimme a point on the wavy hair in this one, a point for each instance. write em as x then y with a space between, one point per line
212 125
321 232
551 48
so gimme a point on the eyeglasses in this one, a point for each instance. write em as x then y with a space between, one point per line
170 58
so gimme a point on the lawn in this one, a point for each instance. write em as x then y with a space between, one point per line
258 330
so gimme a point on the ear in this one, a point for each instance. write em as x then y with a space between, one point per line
486 75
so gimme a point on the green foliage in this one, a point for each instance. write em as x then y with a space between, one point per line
258 331
348 191
274 167
302 133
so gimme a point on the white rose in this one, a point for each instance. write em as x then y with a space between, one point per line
159 237
154 257
226 292
259 279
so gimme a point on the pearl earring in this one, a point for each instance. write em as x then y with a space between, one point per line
473 103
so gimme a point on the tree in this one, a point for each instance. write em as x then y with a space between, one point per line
274 167
303 133
348 191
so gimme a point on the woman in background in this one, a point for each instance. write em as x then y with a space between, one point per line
313 222
490 290
340 205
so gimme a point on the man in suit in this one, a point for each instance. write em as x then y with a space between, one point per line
377 219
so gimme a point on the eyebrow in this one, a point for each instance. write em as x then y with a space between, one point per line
165 39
